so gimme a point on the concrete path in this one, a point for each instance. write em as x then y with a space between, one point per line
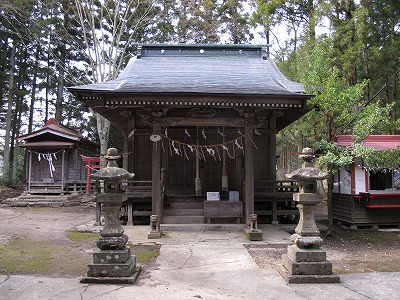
204 265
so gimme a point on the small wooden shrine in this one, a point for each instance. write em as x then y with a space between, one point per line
53 163
366 198
201 124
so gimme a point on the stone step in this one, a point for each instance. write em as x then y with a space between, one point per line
184 212
42 200
43 204
202 227
183 220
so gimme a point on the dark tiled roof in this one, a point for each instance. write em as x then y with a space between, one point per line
223 69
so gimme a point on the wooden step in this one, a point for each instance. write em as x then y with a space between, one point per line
183 220
184 212
183 199
186 205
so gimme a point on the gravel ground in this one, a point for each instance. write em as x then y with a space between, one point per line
349 251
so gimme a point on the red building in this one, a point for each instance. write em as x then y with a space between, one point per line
362 197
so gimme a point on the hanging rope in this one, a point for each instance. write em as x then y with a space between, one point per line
49 157
211 145
179 148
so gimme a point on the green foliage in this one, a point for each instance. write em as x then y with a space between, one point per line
337 101
374 119
333 157
336 157
235 21
377 160
205 22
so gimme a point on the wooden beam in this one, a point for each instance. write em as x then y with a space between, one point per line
175 121
179 100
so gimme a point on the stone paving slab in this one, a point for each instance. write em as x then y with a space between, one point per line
204 265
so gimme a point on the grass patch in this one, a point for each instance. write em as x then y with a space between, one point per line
23 256
145 253
20 256
77 236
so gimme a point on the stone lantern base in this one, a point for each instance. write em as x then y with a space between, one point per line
114 266
306 266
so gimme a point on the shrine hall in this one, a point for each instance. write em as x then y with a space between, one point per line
200 124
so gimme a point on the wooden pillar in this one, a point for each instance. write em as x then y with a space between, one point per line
272 148
62 171
129 158
29 172
125 150
197 179
76 171
130 211
131 145
156 174
272 166
249 167
98 214
224 179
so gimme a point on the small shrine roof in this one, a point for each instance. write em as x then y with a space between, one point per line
378 142
47 145
53 127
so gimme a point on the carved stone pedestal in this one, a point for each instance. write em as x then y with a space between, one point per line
252 232
155 232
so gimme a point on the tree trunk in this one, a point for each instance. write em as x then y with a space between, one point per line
47 90
17 129
33 93
329 202
6 159
103 127
60 86
312 20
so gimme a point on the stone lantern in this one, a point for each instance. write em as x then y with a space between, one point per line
305 262
113 263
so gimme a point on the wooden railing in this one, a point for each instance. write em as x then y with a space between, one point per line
138 193
138 188
279 195
276 187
